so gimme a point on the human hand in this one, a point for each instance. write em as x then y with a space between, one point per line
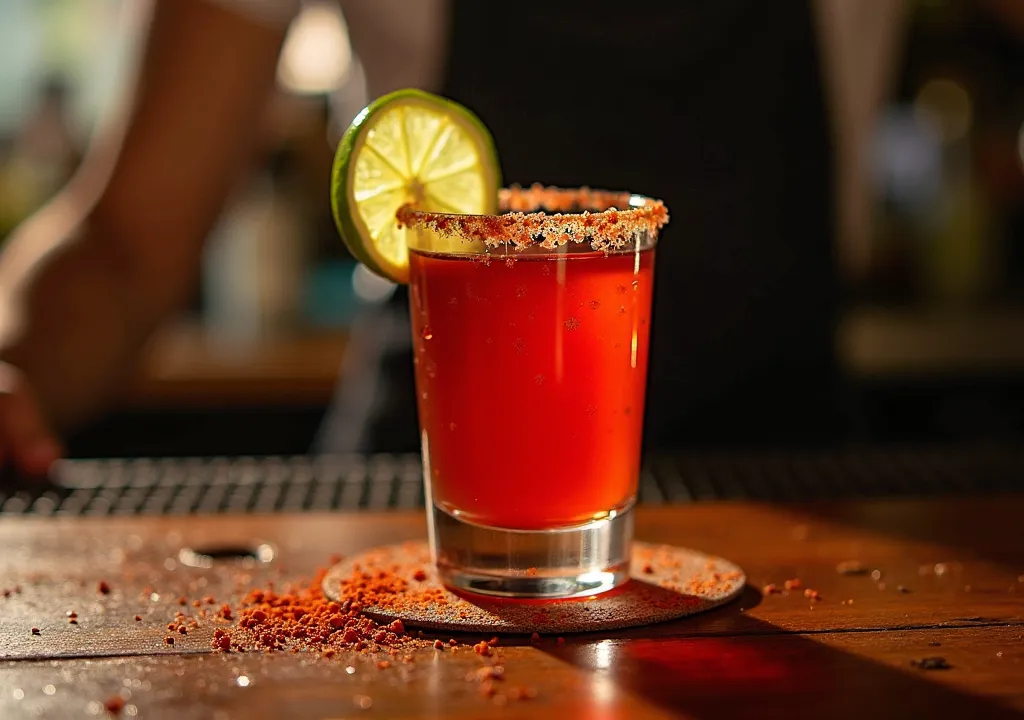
27 446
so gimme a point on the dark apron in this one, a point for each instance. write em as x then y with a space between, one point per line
715 106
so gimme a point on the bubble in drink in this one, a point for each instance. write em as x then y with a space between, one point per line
575 381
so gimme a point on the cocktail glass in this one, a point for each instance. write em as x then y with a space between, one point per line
530 331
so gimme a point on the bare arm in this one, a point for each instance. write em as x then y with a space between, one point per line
87 280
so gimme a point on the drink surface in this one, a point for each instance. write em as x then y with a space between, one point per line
530 377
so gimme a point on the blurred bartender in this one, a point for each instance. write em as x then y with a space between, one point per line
717 106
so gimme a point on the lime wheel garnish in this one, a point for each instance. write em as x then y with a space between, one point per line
408 148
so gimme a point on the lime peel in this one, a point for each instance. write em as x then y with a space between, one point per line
408 148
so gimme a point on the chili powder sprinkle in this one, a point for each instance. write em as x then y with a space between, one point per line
304 618
550 217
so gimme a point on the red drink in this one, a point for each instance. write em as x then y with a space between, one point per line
530 374
530 332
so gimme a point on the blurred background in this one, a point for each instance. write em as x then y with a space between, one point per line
932 337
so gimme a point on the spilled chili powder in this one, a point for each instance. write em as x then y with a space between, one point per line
303 618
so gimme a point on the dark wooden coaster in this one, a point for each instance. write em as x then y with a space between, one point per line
667 583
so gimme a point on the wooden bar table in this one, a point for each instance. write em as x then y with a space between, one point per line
900 582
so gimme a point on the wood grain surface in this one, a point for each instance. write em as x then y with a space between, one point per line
960 565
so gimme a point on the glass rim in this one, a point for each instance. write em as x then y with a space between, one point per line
548 217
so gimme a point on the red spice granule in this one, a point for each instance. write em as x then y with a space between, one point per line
35 631
531 572
812 594
208 600
196 603
304 618
169 640
221 640
114 704
72 621
560 641
770 589
648 569
103 587
534 638
138 618
182 601
71 614
419 576
792 584
182 630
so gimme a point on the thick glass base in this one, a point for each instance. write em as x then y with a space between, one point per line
569 562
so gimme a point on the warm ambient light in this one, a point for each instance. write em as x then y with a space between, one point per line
317 55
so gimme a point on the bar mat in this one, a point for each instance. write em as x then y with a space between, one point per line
169 486
667 583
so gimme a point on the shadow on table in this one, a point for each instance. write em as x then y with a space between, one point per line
749 667
973 527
